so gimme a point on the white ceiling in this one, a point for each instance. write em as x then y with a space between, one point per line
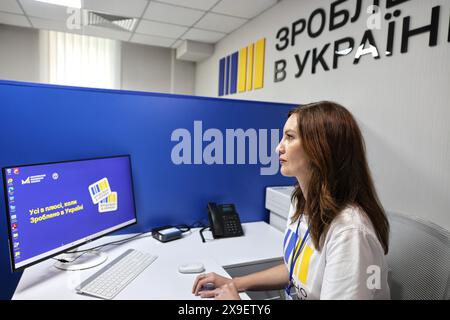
162 23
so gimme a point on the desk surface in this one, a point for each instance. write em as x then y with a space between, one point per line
161 280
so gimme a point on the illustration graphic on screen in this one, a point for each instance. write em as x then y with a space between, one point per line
102 195
99 190
109 203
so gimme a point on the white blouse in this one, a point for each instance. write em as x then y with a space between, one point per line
351 264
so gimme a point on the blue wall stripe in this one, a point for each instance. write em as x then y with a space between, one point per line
227 77
234 73
221 76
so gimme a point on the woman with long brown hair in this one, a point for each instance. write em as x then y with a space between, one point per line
337 233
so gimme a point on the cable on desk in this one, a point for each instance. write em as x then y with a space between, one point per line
84 251
70 261
201 233
115 242
182 227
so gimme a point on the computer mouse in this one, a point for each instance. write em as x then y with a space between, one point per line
208 286
195 267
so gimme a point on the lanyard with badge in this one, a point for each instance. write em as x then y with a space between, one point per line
295 257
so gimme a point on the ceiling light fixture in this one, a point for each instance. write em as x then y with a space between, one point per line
64 3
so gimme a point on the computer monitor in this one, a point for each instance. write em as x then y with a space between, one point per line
54 207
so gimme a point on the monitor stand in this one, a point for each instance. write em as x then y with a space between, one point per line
88 260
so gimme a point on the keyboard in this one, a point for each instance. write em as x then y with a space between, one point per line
116 275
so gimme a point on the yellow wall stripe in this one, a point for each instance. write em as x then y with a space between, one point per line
250 68
259 63
242 73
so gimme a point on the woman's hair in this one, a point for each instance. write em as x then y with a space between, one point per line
339 173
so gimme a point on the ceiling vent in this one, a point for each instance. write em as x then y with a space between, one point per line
109 21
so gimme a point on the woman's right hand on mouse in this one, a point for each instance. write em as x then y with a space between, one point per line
203 279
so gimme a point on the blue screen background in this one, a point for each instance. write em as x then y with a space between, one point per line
72 184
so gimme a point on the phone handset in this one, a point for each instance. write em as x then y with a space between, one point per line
224 220
215 220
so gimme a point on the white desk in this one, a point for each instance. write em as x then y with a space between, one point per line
161 280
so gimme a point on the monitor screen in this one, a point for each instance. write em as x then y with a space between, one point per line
54 207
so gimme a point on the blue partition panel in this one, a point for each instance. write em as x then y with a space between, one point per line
44 123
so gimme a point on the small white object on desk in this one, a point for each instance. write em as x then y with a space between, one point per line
191 268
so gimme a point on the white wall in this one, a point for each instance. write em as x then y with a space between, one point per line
144 68
183 76
19 58
402 102
155 69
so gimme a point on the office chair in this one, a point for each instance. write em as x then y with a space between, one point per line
418 259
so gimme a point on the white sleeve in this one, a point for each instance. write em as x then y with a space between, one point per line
349 254
290 214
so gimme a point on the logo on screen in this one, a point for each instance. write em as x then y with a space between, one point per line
102 195
99 190
16 171
109 203
34 179
8 171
